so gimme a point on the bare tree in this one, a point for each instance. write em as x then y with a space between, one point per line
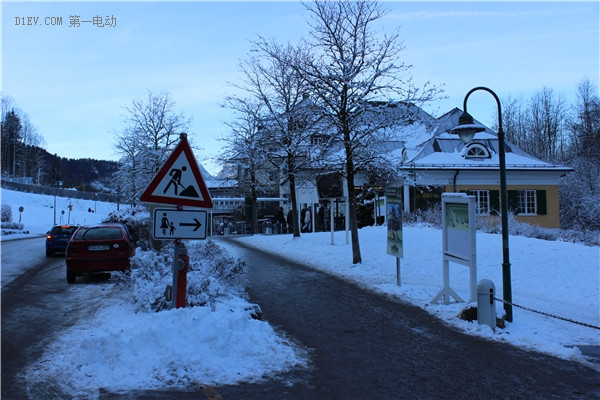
159 126
244 153
585 130
515 121
31 142
548 124
128 175
152 129
351 68
539 126
579 206
290 121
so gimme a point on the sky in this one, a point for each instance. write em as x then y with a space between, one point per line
237 348
74 82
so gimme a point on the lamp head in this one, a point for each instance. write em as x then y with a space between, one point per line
466 128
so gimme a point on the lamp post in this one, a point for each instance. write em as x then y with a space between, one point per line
466 130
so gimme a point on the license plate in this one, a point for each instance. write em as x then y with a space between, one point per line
99 247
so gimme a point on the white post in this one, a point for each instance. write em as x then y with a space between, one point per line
332 221
312 217
347 220
473 280
375 203
446 281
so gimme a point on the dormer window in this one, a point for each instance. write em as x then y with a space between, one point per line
477 151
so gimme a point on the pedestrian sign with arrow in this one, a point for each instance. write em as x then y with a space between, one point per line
170 223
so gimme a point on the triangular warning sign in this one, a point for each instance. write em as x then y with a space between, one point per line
179 181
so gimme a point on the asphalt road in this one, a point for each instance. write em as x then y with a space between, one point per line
366 346
36 306
362 345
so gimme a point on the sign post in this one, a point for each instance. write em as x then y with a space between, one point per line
393 219
330 187
179 182
459 242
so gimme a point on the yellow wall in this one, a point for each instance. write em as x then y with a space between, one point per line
552 217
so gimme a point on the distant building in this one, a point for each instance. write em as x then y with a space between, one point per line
430 161
443 163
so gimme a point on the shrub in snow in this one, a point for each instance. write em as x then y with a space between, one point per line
588 237
6 213
13 225
138 223
151 272
213 274
219 264
432 216
493 224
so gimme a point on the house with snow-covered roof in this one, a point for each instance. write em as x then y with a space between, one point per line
428 160
443 163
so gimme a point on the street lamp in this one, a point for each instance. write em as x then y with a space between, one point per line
466 130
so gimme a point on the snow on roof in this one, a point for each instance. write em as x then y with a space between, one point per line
443 160
444 150
478 136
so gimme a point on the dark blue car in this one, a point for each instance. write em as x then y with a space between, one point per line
58 238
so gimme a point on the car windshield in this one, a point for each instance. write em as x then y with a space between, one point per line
63 230
98 233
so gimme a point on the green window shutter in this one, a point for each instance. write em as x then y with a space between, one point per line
542 208
513 201
494 202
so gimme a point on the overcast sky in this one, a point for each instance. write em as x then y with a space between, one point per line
74 81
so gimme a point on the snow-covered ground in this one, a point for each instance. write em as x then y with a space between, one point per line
120 348
111 348
558 278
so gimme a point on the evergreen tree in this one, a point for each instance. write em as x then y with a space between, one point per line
11 141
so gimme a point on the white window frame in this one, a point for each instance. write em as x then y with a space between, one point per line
527 202
482 197
477 151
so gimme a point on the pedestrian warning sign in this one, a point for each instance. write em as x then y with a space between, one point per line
179 224
179 181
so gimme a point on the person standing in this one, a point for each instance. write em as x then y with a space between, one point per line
281 221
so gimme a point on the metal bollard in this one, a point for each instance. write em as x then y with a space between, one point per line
486 309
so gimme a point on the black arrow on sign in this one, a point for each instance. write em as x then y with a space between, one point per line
197 224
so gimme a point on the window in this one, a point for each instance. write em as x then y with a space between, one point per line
482 201
527 204
99 233
477 150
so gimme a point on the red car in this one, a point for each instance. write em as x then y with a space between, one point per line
98 248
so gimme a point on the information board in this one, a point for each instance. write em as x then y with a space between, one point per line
394 226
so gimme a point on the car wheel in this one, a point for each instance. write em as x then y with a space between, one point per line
71 276
48 253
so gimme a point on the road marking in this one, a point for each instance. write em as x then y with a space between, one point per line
211 393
